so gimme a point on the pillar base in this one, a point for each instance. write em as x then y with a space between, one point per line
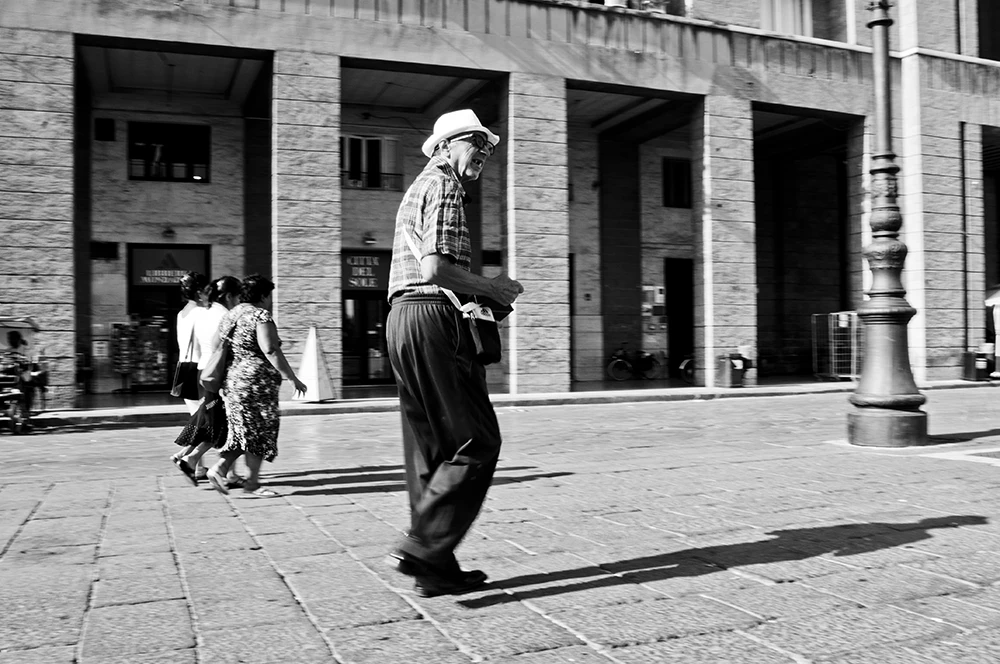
883 427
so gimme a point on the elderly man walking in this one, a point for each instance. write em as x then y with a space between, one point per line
451 438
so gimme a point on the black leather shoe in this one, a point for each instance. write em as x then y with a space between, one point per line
453 584
410 565
406 564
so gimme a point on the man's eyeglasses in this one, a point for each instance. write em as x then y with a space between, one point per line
478 140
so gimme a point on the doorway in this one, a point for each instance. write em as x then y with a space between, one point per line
154 298
678 277
366 359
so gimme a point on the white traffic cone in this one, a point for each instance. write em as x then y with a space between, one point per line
313 372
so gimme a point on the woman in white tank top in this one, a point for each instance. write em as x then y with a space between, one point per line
192 288
208 427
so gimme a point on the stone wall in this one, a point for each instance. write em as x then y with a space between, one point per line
830 20
36 196
373 210
590 44
589 356
945 235
127 211
930 24
724 231
306 198
537 232
942 203
746 14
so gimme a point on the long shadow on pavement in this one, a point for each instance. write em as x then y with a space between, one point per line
378 479
787 545
337 471
966 436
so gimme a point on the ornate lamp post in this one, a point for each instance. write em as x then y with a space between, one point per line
887 403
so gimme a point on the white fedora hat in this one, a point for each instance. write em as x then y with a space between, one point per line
451 124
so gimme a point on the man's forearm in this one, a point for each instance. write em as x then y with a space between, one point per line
446 275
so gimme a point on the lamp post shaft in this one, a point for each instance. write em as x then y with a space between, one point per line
887 403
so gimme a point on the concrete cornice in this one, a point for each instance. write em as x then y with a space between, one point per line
943 55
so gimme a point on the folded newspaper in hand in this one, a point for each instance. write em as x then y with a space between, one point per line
500 311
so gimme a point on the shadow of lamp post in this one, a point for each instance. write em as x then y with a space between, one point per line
886 402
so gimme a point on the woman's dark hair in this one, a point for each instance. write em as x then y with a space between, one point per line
15 340
193 283
255 288
223 286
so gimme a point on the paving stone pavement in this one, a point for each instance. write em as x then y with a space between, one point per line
733 530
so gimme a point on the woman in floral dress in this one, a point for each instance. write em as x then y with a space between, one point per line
250 389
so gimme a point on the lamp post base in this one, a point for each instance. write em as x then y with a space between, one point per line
883 427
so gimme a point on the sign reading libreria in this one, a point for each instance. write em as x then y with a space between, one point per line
164 264
368 270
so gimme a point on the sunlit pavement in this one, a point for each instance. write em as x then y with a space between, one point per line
732 530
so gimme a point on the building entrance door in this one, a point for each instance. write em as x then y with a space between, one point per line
154 348
366 360
154 298
678 275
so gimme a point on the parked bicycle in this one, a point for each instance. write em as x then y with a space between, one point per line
686 369
625 364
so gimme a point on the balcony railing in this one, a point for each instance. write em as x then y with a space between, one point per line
365 180
672 7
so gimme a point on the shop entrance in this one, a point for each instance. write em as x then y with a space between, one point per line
145 348
366 361
366 308
152 329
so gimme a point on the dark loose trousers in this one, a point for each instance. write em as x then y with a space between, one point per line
451 438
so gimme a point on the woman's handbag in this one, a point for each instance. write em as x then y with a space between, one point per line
215 369
481 315
186 375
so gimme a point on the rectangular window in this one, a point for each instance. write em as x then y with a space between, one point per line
169 152
369 162
790 17
676 183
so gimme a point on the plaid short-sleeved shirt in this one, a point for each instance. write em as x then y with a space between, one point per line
433 213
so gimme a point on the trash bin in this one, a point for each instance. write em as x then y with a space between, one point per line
732 368
975 366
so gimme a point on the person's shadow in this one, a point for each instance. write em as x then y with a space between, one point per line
787 545
378 479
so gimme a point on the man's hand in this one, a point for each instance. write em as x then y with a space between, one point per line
504 289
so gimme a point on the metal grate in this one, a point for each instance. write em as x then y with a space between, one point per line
837 345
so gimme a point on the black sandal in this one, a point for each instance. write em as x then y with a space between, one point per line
187 470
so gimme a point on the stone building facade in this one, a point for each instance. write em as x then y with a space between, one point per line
691 183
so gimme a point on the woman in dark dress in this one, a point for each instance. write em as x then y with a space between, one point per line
250 389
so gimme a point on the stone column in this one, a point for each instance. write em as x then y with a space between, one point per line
858 208
936 25
911 204
724 234
306 237
941 199
974 225
36 207
537 233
